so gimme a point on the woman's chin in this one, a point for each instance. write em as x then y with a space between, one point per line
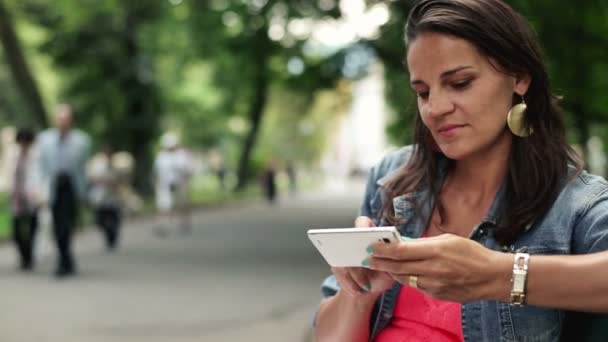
454 152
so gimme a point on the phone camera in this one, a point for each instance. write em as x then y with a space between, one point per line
386 240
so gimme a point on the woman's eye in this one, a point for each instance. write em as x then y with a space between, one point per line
461 84
423 94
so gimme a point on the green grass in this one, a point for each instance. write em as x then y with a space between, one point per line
5 216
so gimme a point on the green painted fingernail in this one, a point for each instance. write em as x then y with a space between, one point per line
365 263
368 287
370 250
403 238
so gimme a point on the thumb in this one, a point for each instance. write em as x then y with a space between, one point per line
364 222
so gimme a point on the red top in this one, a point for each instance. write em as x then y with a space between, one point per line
418 317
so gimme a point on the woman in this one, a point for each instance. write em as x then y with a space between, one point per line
104 195
489 162
26 199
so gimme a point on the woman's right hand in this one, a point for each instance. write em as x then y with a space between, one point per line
358 281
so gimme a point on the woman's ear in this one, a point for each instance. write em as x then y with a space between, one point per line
522 83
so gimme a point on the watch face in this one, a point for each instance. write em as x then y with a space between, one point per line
519 281
518 284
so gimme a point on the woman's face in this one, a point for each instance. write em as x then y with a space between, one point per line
462 99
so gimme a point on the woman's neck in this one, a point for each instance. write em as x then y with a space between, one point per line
482 174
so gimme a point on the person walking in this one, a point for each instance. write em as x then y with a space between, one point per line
63 153
268 182
25 199
104 195
290 170
172 170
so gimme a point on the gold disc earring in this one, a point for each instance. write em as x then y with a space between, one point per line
516 119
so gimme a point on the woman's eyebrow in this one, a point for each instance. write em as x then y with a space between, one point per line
445 74
455 70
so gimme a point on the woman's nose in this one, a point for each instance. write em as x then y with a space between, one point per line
439 105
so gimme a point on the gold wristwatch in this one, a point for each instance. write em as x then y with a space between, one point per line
518 281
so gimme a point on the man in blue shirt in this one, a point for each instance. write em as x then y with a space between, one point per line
63 153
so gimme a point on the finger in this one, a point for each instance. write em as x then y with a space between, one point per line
356 287
419 249
360 277
418 282
364 222
432 287
346 282
405 279
418 267
400 278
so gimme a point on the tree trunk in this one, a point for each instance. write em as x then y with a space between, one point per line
256 111
141 111
20 71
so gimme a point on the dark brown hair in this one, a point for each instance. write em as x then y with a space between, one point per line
538 164
25 136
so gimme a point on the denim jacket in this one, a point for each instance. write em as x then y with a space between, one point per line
576 223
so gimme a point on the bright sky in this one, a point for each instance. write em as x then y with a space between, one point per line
356 22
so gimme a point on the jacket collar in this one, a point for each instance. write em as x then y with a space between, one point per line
425 200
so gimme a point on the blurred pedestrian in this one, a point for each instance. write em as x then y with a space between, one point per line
221 174
63 154
25 198
104 195
173 168
185 165
268 181
124 166
218 166
291 176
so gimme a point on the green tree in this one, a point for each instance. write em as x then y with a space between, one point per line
108 77
575 41
20 71
390 50
235 35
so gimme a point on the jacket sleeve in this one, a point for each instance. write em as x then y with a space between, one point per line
591 229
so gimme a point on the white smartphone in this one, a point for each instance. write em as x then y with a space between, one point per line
347 247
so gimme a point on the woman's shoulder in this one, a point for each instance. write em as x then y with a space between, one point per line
392 161
583 206
584 190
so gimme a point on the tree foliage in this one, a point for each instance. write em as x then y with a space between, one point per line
242 74
249 58
22 75
107 76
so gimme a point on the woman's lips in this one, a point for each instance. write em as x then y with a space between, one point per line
449 131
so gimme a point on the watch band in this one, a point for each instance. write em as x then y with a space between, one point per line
518 281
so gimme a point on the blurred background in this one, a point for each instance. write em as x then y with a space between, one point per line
281 107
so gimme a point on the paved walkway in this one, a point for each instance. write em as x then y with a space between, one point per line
247 272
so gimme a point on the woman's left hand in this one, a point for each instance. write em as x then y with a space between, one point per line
447 267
